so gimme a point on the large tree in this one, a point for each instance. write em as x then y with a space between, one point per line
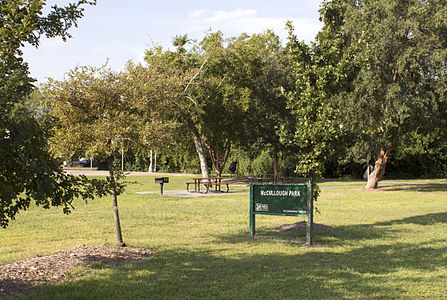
185 67
266 71
377 70
218 103
235 83
213 105
401 85
316 134
324 74
28 172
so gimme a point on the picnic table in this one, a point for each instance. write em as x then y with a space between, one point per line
208 183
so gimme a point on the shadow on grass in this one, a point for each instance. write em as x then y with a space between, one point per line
348 232
358 273
344 234
428 219
416 187
370 270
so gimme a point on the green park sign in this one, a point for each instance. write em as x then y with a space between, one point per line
282 200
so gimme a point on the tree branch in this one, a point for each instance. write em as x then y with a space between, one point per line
197 74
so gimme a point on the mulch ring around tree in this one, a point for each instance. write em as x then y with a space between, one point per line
301 226
17 277
295 228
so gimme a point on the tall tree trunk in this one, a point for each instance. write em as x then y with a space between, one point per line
116 217
202 156
275 164
379 169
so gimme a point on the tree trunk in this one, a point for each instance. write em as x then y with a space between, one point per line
219 158
275 165
379 169
202 156
215 158
122 158
116 217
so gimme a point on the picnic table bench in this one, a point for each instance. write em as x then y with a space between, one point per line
208 183
185 168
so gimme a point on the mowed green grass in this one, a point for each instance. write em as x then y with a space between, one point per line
390 243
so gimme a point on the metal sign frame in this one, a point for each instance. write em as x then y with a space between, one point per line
282 200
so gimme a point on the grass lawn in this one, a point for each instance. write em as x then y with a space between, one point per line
390 243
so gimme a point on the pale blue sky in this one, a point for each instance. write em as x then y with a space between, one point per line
119 31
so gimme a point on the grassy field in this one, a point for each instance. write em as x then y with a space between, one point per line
390 243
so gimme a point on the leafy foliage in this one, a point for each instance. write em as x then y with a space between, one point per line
28 172
375 74
91 112
98 111
232 84
266 71
211 107
402 83
317 133
34 175
400 87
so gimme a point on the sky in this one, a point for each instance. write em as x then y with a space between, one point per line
118 31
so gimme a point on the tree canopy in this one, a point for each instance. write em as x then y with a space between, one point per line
401 86
231 83
28 171
267 73
378 68
212 105
97 111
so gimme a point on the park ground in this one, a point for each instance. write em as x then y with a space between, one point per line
384 244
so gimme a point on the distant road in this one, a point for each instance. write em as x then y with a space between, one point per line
93 172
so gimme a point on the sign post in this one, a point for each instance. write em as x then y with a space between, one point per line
310 216
282 200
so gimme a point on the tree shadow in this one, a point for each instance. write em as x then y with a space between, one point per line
341 234
321 238
184 274
373 269
417 187
428 219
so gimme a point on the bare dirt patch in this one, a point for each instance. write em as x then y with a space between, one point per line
17 277
294 228
301 226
